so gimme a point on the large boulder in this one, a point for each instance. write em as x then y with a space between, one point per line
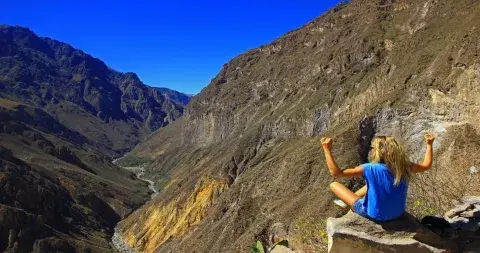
353 233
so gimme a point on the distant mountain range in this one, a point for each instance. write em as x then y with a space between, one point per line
64 116
73 86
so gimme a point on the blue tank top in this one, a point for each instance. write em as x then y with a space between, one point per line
384 201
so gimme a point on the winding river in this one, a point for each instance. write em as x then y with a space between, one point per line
117 238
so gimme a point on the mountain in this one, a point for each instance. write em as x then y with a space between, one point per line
114 110
245 157
64 116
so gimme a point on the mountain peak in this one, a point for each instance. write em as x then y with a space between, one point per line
46 73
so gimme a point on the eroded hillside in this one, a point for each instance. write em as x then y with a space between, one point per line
113 110
388 67
64 116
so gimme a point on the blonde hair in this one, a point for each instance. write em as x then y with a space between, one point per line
387 150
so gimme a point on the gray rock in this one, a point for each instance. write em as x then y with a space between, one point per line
457 210
466 215
472 200
473 170
471 214
457 222
353 233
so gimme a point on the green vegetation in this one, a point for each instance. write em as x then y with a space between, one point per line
133 161
421 209
259 248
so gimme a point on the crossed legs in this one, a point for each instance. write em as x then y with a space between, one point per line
345 194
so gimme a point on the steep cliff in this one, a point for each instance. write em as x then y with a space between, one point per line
368 66
174 218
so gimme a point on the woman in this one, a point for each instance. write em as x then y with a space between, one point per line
387 175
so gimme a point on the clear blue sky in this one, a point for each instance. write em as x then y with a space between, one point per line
177 44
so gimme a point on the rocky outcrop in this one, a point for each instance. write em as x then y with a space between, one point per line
466 215
458 231
464 221
353 233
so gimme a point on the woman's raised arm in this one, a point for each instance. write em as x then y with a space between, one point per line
427 160
332 165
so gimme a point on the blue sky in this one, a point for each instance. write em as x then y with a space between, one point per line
176 44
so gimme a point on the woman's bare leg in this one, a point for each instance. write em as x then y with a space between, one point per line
362 191
343 193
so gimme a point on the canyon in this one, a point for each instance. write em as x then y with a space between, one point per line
241 161
64 116
249 143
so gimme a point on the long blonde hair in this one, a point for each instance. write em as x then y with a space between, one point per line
387 150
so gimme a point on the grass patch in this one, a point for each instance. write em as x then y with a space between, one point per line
133 161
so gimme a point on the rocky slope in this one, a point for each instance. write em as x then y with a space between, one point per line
365 67
64 116
113 110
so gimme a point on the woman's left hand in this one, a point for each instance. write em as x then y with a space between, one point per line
327 143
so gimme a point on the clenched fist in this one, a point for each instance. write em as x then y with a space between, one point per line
327 143
429 138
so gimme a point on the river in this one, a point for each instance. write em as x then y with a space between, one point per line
117 238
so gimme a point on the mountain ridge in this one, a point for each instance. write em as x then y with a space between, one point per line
64 116
47 73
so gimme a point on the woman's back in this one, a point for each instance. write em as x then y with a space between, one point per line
384 200
387 175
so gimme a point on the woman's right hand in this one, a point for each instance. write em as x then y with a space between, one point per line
429 138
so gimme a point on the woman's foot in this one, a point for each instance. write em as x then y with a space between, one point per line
341 204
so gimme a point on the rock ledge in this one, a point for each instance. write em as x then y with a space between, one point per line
353 233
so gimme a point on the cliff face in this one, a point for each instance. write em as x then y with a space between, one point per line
174 218
388 67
